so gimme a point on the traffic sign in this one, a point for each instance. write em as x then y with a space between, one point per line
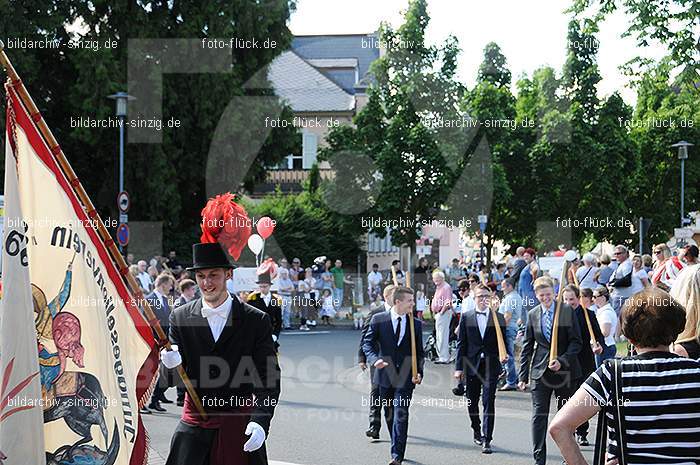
123 234
123 218
123 201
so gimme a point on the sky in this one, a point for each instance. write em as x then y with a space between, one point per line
531 33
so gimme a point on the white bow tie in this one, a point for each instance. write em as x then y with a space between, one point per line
207 312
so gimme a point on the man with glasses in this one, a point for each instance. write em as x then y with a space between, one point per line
623 282
479 362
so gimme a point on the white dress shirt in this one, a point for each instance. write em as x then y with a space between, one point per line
216 317
482 317
395 321
266 298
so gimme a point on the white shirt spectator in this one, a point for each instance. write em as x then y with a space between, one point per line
606 314
145 281
621 271
586 277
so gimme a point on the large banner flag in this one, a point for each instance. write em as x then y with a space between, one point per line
76 358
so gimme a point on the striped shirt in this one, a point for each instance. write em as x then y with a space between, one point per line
661 406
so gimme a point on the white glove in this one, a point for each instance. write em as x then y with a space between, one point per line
257 437
170 358
274 338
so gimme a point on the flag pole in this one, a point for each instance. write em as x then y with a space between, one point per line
91 213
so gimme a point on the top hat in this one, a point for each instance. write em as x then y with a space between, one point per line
264 278
209 255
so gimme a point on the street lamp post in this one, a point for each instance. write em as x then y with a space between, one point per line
483 221
682 156
121 98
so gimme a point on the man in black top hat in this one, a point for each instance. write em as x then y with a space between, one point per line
270 303
226 349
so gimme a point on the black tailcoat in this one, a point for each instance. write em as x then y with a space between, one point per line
240 364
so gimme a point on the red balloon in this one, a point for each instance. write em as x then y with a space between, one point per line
265 227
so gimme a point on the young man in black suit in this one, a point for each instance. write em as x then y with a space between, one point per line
479 361
375 409
557 377
586 358
387 346
216 338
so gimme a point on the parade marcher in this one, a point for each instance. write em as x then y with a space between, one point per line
479 362
216 338
387 346
188 290
511 308
158 300
589 348
375 413
441 308
270 303
545 377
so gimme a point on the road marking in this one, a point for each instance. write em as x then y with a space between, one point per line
297 333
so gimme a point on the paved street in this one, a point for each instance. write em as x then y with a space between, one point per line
321 419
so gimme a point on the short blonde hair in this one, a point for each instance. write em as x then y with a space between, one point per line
686 290
542 282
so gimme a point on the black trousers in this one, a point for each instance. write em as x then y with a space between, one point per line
541 398
190 445
480 385
375 409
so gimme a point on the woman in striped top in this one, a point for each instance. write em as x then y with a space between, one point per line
660 400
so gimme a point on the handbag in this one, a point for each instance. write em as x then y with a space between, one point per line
617 401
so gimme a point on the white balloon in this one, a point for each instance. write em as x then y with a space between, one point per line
255 243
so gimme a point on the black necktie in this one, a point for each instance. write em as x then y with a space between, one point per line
397 335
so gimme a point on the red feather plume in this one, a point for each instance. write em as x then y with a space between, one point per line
226 222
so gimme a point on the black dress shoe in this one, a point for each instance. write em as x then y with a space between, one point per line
459 390
395 462
478 440
582 441
372 434
180 403
487 448
164 400
145 411
157 407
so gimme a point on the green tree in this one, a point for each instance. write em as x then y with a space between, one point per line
167 181
673 23
408 166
